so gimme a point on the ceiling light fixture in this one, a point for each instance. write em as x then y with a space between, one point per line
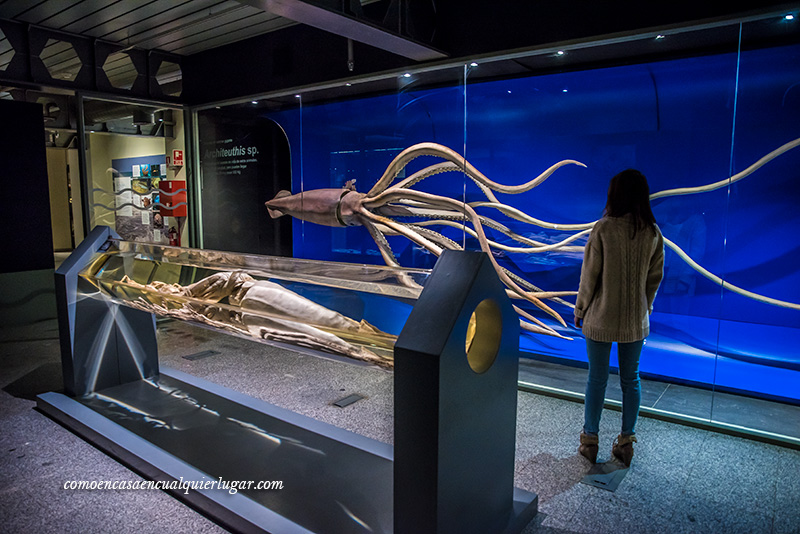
789 17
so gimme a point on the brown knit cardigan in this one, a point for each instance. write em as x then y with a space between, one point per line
619 280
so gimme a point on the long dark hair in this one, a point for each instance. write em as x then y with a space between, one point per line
628 192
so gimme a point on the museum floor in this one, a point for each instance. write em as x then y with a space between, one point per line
682 479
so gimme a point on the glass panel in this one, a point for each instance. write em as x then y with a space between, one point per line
758 368
688 124
307 143
120 70
350 135
349 310
135 185
6 51
170 78
245 160
596 123
61 60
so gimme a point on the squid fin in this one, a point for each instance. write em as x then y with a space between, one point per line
274 213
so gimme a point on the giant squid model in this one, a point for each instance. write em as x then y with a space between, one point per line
380 209
260 309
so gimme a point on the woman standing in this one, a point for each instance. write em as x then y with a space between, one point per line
622 268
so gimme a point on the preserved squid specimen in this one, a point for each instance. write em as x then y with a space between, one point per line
238 303
380 209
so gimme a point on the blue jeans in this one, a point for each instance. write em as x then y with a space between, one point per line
599 353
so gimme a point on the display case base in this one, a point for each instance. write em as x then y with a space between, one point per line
177 427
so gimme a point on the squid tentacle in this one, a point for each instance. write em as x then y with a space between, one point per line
449 216
446 202
445 166
538 326
727 285
402 230
383 245
521 216
486 185
560 246
387 254
735 178
535 291
441 239
434 149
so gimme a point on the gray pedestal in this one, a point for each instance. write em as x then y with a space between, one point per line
455 417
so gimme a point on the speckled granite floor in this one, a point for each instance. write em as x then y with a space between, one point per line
682 479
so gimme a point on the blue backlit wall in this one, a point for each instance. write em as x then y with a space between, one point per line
686 122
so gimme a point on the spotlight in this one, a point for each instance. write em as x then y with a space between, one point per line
560 53
659 36
255 101
789 17
407 75
473 64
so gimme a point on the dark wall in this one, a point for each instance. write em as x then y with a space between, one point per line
244 162
295 56
26 241
470 27
301 55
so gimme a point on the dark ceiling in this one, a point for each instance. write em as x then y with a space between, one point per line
181 27
288 43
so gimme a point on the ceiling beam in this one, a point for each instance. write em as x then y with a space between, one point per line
342 24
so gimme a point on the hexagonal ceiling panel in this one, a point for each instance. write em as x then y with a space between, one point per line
120 70
170 78
6 51
61 60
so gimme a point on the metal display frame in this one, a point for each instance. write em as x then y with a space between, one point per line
451 468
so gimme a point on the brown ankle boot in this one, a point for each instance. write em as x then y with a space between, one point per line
623 448
588 447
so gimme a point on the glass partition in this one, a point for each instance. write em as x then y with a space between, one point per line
349 143
386 170
334 308
759 323
669 119
245 159
295 169
136 172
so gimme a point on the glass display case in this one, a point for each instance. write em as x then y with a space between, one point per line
448 330
137 180
709 114
348 310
